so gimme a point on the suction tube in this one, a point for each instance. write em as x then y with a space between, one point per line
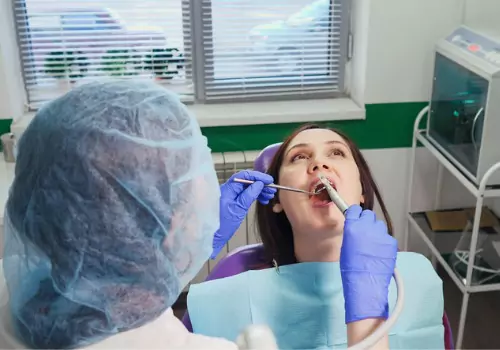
379 333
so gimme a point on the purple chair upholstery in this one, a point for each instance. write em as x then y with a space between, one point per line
251 257
265 157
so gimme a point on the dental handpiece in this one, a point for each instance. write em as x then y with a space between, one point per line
334 195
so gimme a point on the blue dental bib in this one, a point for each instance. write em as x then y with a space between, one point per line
303 305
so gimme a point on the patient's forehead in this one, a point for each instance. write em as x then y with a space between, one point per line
315 136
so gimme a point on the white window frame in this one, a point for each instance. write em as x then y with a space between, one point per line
342 107
200 12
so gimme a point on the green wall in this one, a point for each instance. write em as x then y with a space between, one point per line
5 125
4 128
387 125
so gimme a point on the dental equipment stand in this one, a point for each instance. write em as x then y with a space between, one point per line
418 227
257 337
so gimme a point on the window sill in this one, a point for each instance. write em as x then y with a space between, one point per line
252 113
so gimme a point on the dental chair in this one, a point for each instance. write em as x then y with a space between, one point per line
251 257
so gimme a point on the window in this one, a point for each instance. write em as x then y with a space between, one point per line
205 50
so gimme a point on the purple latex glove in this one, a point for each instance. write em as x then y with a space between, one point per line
236 199
367 262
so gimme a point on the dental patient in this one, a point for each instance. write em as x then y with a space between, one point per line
300 289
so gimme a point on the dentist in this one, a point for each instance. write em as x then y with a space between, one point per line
111 213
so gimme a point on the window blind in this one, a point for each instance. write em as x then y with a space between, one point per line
205 50
261 49
66 43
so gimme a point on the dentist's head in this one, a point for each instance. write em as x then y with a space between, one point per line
112 212
300 227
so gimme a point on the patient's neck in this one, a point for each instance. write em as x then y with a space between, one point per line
308 249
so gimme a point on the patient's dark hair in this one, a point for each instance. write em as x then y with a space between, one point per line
274 228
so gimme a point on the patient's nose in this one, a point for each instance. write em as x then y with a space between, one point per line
318 166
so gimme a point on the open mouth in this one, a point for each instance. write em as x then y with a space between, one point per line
322 198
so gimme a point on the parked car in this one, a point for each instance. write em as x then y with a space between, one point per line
300 40
89 31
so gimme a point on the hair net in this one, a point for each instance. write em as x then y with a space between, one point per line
112 212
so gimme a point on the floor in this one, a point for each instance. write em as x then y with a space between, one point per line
482 329
178 312
179 307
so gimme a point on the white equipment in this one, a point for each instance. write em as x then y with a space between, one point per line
464 114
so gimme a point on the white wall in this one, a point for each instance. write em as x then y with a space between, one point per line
482 14
401 38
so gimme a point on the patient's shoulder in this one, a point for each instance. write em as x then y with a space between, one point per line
417 271
237 263
414 259
423 293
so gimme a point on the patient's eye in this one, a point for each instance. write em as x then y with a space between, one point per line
337 152
298 156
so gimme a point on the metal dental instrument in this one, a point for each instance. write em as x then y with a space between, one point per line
339 202
382 330
285 188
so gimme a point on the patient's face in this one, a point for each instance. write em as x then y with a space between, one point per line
309 153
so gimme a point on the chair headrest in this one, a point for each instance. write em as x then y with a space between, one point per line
265 157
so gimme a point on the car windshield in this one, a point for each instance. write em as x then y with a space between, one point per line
40 22
312 10
90 19
115 17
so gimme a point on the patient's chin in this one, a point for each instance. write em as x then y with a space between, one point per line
307 221
325 227
331 218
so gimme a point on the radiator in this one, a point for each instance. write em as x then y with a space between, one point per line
226 164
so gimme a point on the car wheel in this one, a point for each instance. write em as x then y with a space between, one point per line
288 60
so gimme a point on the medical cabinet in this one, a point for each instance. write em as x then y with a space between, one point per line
464 113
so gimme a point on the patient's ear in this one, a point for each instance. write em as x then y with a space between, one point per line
277 208
362 200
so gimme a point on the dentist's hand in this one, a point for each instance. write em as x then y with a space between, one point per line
367 262
236 199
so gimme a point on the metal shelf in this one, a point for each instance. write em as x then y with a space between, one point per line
471 186
419 224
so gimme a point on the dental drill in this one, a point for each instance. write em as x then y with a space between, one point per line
334 195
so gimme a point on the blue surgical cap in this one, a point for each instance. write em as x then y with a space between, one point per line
112 212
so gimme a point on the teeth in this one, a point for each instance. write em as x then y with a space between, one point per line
319 185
